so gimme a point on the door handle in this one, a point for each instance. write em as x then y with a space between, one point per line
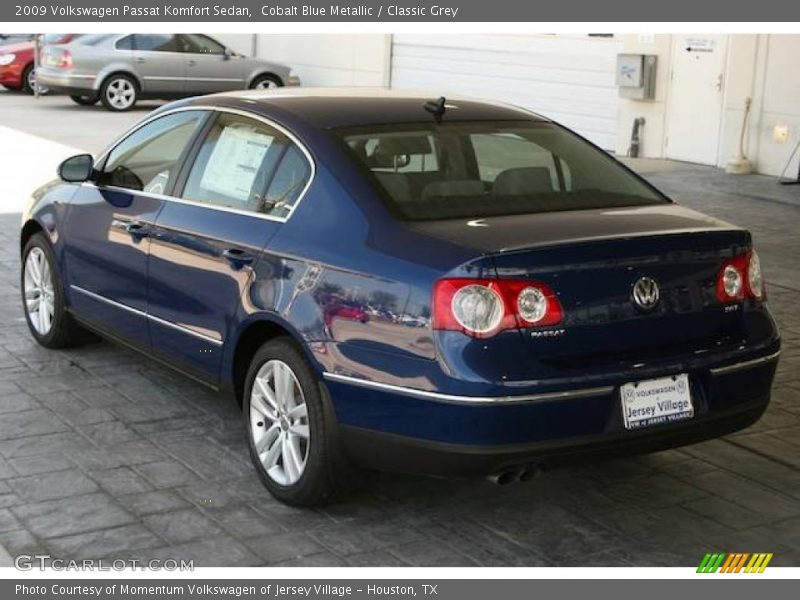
191 63
719 82
238 258
141 60
137 230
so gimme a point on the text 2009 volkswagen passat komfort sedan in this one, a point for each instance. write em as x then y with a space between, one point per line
390 281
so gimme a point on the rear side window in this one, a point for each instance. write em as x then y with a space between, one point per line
289 181
432 171
156 42
125 43
147 160
247 165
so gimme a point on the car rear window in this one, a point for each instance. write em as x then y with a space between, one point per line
431 171
94 40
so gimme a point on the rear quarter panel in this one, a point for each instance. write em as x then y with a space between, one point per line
351 282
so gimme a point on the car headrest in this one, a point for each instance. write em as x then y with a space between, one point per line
400 145
523 181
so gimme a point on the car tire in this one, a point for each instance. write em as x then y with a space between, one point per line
266 82
319 472
27 80
55 327
85 100
119 92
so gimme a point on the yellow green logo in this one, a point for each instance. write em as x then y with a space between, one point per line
737 562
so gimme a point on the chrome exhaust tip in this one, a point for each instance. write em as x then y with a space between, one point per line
506 476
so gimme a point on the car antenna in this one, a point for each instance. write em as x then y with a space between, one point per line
436 107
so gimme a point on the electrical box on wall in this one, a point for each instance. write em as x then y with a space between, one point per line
636 76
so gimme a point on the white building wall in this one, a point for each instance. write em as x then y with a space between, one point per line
569 78
653 111
780 103
765 68
331 60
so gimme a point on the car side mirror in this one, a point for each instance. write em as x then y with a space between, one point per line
77 169
228 54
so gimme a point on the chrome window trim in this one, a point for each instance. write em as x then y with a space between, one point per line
451 399
146 315
748 364
206 108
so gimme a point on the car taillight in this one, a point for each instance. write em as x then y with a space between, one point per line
739 278
65 62
483 307
755 280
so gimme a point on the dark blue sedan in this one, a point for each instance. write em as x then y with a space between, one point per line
390 281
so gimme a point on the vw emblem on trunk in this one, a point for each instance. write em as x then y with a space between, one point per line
646 293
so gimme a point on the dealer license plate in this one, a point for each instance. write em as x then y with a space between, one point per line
655 401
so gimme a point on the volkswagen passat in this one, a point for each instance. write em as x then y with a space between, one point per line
447 287
121 69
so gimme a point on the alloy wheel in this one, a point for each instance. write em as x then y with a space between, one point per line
266 84
121 94
279 422
39 295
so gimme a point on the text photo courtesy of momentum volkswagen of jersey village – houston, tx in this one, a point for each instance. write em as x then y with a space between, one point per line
365 299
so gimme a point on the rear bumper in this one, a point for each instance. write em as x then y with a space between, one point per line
65 83
446 435
376 450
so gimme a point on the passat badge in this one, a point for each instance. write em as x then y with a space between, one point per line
646 293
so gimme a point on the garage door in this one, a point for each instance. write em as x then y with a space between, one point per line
567 78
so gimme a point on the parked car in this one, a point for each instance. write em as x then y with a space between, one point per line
15 38
17 61
574 309
119 70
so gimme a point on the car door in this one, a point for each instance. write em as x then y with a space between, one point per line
234 194
209 66
106 234
158 60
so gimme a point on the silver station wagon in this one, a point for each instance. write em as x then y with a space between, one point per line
119 69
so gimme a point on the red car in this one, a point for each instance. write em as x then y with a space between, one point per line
16 61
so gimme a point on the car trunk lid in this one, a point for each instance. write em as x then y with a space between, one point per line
593 259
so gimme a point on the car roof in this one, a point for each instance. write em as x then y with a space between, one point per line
331 108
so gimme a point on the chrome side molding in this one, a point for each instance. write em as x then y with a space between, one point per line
748 364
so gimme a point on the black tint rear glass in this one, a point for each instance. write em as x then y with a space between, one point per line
432 171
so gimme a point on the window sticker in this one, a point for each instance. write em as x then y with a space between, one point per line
235 161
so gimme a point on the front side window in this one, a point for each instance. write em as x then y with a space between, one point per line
147 160
156 42
247 165
431 171
197 43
